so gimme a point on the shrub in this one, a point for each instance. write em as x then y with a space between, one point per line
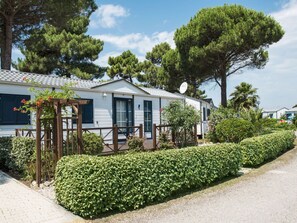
257 150
21 153
89 186
182 118
135 143
234 130
165 142
93 143
5 149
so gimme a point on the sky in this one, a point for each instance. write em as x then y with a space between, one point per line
140 25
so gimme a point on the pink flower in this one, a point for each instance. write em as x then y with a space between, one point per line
15 109
23 101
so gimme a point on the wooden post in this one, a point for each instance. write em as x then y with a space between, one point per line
38 146
115 138
140 131
154 136
59 131
55 148
79 130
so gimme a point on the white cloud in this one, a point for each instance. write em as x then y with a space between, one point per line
137 41
103 60
106 16
276 83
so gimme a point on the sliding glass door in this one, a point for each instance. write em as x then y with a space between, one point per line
124 115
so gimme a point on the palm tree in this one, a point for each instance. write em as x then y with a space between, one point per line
244 96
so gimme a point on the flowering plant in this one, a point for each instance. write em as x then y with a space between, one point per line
42 96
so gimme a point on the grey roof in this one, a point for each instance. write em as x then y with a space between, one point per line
274 109
19 78
160 93
45 80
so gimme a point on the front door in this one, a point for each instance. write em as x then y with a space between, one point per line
124 116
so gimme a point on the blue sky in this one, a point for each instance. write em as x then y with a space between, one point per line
140 25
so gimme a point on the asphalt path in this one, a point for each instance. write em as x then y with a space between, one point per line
267 194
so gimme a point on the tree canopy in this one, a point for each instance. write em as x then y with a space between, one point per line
124 65
244 96
20 18
63 52
220 41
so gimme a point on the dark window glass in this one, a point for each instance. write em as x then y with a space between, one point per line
148 113
7 115
87 112
204 114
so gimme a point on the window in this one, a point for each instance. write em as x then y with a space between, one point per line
204 114
87 112
208 112
148 119
7 115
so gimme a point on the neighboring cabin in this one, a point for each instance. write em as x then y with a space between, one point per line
115 102
274 113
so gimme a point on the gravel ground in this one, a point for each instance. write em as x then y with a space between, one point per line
267 194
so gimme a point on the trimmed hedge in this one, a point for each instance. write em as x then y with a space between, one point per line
257 150
89 186
21 153
5 149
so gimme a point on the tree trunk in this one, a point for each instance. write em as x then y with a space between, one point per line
224 89
6 53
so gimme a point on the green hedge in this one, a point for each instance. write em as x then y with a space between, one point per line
89 186
257 150
5 149
21 153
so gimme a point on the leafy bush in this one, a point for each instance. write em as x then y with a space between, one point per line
5 149
217 116
89 186
135 143
234 130
259 149
165 142
21 153
92 143
182 119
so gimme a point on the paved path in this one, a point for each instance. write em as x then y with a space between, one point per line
19 203
266 195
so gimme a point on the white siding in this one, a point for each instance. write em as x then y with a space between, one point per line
121 87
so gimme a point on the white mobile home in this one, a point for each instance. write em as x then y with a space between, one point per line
115 102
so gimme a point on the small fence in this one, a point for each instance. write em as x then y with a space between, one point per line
114 139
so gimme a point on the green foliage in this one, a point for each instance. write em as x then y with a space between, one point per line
182 118
92 143
294 120
244 97
63 52
234 130
89 186
5 150
220 41
125 66
164 141
257 150
217 116
135 143
21 153
21 18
